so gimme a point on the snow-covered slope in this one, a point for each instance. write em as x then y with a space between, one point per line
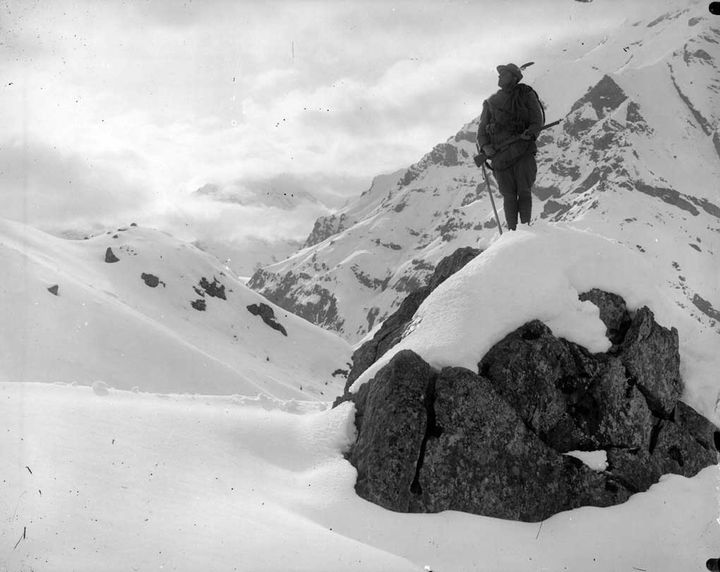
129 481
637 159
539 273
165 317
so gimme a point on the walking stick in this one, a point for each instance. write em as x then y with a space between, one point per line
480 159
487 184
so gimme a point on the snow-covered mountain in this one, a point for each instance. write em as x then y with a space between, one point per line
636 159
137 307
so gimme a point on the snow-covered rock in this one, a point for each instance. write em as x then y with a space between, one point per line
519 358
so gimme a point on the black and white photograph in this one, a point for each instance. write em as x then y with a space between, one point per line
359 285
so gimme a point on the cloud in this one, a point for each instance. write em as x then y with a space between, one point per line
48 188
140 103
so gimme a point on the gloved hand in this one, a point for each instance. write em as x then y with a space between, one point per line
489 150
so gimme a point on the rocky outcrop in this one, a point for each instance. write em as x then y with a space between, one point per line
214 289
325 227
393 328
318 305
110 256
151 280
268 316
495 441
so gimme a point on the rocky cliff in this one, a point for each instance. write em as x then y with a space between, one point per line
506 439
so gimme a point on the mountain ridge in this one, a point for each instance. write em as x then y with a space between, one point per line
635 158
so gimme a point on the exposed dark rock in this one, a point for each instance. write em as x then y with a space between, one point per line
493 442
570 398
469 135
705 307
544 193
613 313
554 208
325 227
393 328
391 421
443 154
151 280
451 264
200 305
669 196
596 175
652 357
268 316
372 316
283 289
389 334
369 281
110 256
54 289
605 95
485 460
214 288
697 426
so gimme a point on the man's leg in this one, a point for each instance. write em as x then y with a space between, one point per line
508 190
525 172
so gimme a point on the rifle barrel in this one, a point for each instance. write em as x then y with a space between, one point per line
506 144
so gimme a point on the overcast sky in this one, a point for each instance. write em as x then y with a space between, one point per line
112 107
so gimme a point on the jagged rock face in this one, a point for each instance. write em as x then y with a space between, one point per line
393 328
318 305
613 313
570 398
652 357
484 459
386 454
492 442
268 316
325 227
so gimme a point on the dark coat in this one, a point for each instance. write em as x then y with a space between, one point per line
506 114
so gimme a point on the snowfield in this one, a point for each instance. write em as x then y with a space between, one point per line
96 478
134 481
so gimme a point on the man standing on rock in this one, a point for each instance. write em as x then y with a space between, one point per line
510 121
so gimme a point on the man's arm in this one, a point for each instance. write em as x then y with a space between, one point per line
482 137
483 140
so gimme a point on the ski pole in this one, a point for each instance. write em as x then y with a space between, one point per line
487 184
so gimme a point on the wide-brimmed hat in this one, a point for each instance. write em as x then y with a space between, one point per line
512 68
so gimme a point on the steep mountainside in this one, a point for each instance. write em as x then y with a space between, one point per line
636 159
137 307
